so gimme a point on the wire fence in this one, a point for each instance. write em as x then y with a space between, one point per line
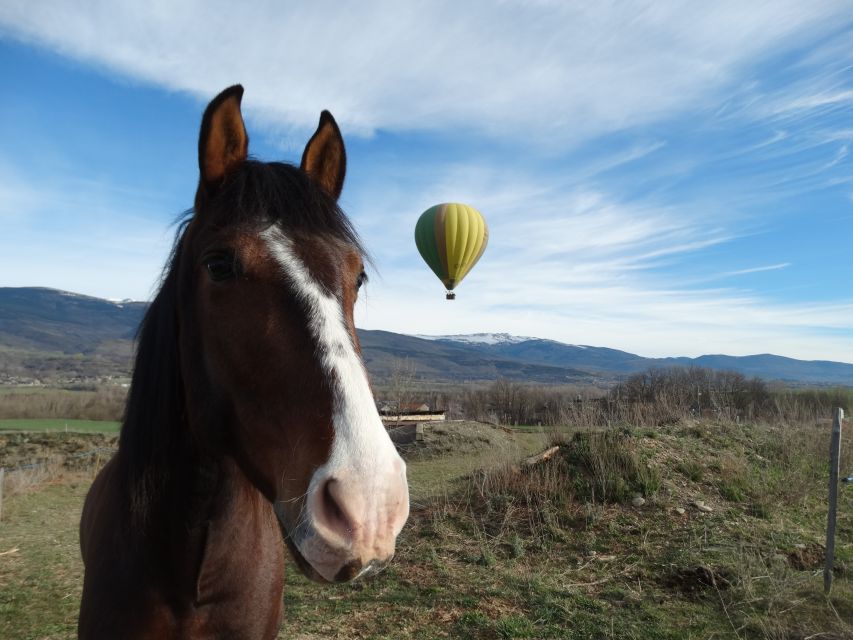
44 464
72 456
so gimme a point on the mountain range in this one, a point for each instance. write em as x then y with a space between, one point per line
51 334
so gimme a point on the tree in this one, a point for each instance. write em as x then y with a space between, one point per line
401 385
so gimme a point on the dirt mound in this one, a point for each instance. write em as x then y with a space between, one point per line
70 450
458 438
697 579
807 557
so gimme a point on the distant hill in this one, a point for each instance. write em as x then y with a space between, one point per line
45 333
50 334
440 360
51 320
605 361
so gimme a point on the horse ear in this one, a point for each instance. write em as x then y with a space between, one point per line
223 144
324 158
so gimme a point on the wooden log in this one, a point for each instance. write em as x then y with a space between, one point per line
540 457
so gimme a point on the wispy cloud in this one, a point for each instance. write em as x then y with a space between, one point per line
582 68
815 101
769 267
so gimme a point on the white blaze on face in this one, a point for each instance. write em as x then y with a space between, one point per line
362 452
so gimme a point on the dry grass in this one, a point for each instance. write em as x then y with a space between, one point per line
97 403
19 481
501 553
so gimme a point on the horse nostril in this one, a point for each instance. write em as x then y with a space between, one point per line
332 511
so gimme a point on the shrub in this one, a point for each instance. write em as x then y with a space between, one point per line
693 470
607 467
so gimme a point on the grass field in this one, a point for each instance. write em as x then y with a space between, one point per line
558 551
57 424
32 391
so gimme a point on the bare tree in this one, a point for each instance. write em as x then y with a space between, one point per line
401 385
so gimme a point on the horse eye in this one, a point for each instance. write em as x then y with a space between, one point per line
360 280
220 266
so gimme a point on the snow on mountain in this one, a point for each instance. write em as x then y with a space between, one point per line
481 338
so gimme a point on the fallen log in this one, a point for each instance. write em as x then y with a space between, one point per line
540 457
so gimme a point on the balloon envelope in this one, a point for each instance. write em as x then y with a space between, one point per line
451 237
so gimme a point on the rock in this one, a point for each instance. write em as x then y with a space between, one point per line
704 508
638 501
680 511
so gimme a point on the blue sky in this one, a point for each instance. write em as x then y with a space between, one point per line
668 178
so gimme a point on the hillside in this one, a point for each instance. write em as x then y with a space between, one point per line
693 530
45 333
51 320
605 362
50 334
446 361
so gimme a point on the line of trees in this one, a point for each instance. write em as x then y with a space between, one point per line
100 403
651 397
655 396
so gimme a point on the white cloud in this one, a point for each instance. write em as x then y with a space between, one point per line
553 70
636 319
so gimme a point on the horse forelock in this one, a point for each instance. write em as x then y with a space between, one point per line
274 193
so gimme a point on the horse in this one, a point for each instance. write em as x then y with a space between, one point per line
250 424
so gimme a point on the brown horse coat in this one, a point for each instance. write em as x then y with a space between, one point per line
250 422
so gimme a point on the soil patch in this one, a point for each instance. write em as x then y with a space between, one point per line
808 557
695 580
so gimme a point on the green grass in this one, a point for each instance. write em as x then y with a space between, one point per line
31 391
436 475
55 424
41 569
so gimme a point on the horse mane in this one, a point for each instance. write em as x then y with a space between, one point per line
154 431
155 404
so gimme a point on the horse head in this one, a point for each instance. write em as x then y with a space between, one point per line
269 273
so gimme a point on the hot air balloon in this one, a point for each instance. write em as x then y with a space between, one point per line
451 237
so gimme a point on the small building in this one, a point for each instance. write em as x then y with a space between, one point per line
408 412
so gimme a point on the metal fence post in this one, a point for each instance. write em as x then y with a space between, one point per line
834 461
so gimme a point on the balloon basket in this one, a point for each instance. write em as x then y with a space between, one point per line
450 295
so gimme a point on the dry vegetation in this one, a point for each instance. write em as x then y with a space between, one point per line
655 397
560 551
87 403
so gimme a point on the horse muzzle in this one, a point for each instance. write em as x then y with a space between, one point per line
349 522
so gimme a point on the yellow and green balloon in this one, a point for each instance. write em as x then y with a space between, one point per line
451 237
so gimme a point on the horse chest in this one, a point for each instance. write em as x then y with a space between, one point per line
202 587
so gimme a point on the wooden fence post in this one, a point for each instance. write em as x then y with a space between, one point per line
834 461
